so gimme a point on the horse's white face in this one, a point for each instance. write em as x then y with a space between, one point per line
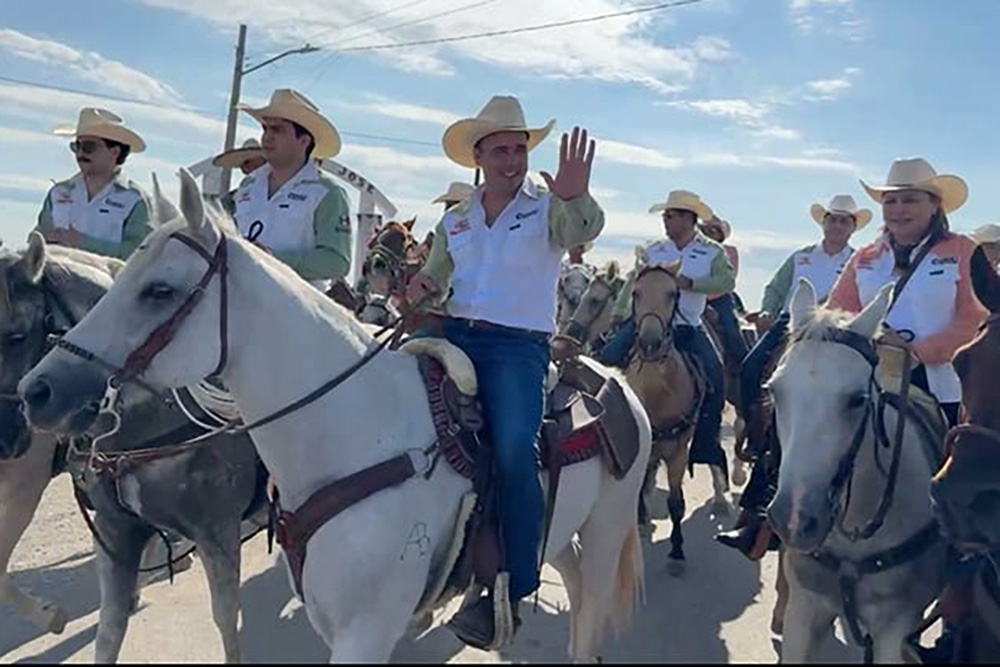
592 315
151 287
820 391
572 286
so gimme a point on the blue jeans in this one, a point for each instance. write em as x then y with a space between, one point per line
706 447
729 327
511 366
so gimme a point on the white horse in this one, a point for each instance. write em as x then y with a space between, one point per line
367 568
833 476
573 282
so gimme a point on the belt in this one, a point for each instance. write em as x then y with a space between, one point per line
483 325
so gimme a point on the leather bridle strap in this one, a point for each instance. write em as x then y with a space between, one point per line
140 358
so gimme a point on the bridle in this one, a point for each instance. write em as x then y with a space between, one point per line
969 428
666 325
578 330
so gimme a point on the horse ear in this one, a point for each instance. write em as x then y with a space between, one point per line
409 223
803 303
869 320
32 263
163 209
613 270
192 205
985 281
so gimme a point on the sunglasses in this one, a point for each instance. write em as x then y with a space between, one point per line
85 147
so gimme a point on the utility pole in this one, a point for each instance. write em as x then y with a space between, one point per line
238 73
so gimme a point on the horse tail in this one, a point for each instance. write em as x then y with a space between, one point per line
630 589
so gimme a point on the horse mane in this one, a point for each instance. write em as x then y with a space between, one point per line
822 325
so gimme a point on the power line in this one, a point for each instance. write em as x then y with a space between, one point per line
513 31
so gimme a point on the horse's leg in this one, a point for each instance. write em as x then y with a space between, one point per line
888 643
807 623
739 465
118 575
720 485
676 467
567 564
22 483
645 520
220 555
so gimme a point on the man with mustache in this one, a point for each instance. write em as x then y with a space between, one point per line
97 209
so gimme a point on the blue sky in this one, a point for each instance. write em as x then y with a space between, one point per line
764 107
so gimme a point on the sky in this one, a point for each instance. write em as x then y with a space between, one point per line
763 107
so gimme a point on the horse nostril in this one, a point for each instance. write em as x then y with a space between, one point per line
38 394
810 527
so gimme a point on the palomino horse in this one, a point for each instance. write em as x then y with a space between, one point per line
858 544
573 281
368 567
966 491
671 394
201 495
592 317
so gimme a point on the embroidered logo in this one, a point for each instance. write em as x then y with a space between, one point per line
522 216
805 261
297 197
460 227
64 198
944 260
110 202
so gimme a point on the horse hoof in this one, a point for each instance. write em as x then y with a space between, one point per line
56 621
675 567
739 475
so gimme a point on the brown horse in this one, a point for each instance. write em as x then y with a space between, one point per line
670 389
966 490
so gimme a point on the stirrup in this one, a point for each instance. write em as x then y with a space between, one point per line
504 624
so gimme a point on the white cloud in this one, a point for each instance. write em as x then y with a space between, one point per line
805 4
620 51
745 113
632 154
835 18
88 65
420 114
785 162
24 183
831 89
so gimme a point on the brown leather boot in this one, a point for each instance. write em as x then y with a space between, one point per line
752 539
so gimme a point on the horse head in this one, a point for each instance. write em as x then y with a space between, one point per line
822 391
573 282
966 490
655 294
592 316
390 252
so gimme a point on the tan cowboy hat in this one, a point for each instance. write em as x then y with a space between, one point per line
235 158
293 106
501 114
918 174
716 221
842 204
102 123
685 201
986 234
457 192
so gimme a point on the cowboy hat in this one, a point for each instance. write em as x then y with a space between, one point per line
716 221
685 201
918 174
295 107
457 192
94 122
235 158
842 204
986 234
501 114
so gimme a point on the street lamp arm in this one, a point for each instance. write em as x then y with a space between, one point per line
304 49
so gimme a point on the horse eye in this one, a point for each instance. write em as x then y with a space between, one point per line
857 401
158 292
15 338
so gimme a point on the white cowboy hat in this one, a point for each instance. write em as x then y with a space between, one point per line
986 234
102 123
236 157
842 204
685 201
457 192
293 106
727 230
501 114
918 174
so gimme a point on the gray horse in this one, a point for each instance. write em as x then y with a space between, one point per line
202 494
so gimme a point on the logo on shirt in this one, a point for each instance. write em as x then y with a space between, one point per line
244 198
111 202
944 260
459 227
64 198
805 261
522 216
297 197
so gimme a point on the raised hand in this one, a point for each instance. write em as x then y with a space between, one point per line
576 155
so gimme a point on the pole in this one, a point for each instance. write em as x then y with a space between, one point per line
234 99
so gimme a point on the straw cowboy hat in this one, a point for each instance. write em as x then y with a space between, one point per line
94 122
293 106
842 204
723 225
918 174
685 201
236 157
501 114
457 192
986 234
